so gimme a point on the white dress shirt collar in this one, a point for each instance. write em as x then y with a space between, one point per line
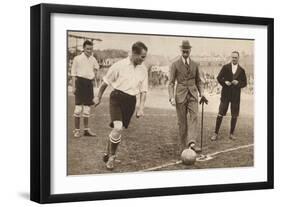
187 59
86 55
128 60
234 68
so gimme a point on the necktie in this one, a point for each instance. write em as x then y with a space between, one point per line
185 62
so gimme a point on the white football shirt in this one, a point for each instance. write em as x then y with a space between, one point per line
126 77
84 66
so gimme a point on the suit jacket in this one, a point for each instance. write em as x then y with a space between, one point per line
232 93
189 79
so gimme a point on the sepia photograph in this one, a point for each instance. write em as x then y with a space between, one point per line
133 103
147 102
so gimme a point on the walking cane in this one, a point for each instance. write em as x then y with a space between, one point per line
202 120
202 101
202 157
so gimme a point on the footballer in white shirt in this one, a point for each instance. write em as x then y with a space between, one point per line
128 78
83 73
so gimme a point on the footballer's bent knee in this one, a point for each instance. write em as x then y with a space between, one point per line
118 125
115 134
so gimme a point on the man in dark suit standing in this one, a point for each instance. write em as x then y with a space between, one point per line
232 78
186 73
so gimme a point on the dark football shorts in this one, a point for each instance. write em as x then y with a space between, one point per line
121 107
234 108
84 93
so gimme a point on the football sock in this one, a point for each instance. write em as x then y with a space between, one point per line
233 124
113 148
107 149
218 124
77 122
86 123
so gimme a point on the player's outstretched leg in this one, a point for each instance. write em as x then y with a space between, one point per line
113 142
107 151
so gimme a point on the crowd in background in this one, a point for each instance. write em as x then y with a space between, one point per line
159 79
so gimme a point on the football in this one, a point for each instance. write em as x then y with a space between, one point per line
188 156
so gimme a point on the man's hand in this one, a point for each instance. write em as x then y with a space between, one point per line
203 100
97 101
228 83
139 113
173 102
235 82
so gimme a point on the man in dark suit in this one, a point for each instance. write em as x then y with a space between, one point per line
232 78
186 73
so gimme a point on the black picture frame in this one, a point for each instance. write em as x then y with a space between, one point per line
40 184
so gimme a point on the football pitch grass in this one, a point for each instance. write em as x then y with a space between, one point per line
151 142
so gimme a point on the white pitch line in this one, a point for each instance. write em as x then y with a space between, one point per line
208 155
162 166
231 149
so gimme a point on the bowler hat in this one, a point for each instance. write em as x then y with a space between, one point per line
185 45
